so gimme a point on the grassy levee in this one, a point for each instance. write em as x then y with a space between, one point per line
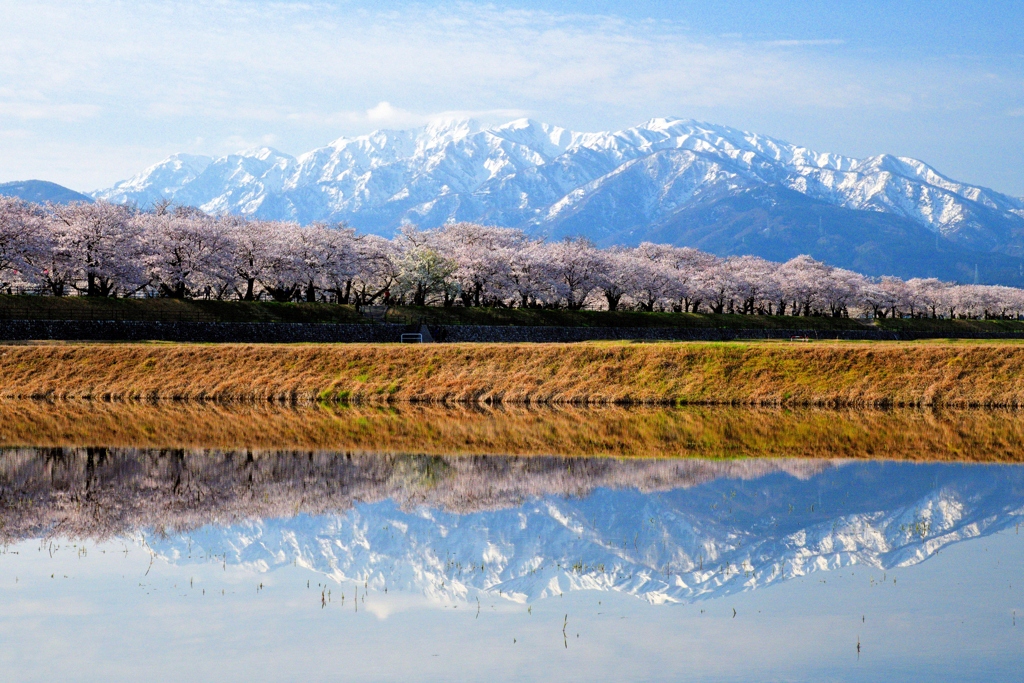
952 328
171 310
458 315
564 431
957 374
433 315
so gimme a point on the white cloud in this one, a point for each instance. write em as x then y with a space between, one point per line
384 112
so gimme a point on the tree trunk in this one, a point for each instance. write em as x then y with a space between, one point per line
282 294
613 300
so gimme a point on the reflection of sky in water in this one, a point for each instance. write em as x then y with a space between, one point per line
836 559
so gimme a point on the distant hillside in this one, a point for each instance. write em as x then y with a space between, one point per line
777 224
42 191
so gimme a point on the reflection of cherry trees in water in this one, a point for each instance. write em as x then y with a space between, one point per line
101 492
105 250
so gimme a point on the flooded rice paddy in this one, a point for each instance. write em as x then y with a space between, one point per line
222 543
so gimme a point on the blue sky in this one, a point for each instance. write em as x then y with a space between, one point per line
91 92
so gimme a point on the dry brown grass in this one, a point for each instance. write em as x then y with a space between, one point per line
565 431
755 373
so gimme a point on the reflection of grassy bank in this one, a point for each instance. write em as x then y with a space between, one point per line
754 373
907 434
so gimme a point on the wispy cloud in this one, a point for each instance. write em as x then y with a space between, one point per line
234 59
385 115
158 75
27 110
817 42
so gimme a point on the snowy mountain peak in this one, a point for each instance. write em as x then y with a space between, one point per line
440 132
160 180
195 162
545 138
613 186
663 123
266 154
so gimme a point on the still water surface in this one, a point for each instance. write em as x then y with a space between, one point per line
168 564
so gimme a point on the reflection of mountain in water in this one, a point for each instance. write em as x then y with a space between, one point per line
669 530
710 540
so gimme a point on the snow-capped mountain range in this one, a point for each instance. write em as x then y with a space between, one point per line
611 186
680 545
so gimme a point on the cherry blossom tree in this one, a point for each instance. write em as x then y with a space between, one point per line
618 273
530 274
483 258
927 295
284 276
425 274
803 282
103 246
106 250
377 269
693 275
331 259
575 269
649 278
187 255
251 257
22 240
755 284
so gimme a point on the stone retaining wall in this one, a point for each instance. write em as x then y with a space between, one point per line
131 330
492 333
135 330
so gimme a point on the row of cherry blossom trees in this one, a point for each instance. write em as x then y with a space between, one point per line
110 250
